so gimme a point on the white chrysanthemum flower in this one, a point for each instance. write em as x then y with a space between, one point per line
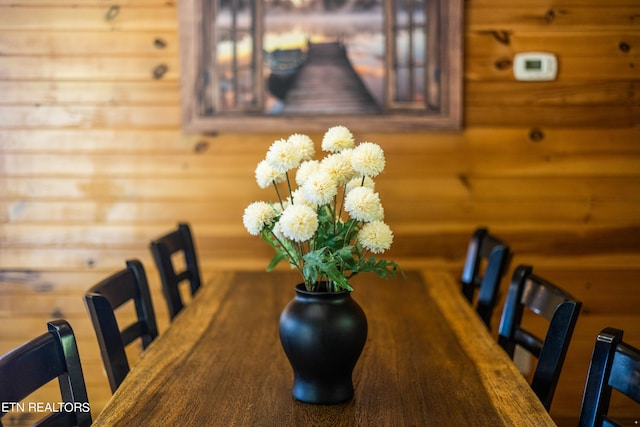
368 159
339 166
277 231
375 236
364 205
266 175
337 138
299 199
320 188
282 156
305 170
298 222
257 215
303 145
358 182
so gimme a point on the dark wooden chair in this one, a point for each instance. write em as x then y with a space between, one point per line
555 305
37 362
487 261
615 365
129 284
178 241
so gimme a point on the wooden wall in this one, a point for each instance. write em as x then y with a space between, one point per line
94 165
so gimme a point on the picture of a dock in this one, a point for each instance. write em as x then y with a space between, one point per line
327 83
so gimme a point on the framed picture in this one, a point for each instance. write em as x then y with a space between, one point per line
370 65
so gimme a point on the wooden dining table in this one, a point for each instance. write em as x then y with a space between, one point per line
428 361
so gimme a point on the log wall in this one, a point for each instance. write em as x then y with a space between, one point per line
94 164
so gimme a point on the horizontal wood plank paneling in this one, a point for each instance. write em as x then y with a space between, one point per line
448 191
468 212
563 244
542 3
566 238
89 3
475 141
88 116
572 44
555 94
570 69
105 17
86 68
542 17
93 164
234 167
89 93
78 43
164 116
579 116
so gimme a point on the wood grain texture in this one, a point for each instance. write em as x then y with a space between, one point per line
77 43
601 44
88 93
102 17
573 68
86 68
94 164
423 340
577 17
494 372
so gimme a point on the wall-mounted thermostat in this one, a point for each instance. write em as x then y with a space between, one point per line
535 66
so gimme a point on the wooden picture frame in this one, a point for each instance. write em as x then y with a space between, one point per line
437 104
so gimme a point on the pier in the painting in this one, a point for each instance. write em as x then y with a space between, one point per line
328 84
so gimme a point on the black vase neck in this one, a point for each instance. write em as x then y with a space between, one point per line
320 292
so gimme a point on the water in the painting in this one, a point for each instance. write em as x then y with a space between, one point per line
289 26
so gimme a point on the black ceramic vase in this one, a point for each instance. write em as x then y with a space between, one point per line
323 334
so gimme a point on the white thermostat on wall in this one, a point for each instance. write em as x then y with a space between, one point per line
535 66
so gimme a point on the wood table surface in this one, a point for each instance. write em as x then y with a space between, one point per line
428 361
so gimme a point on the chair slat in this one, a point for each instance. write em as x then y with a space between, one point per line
484 248
101 300
531 292
615 365
37 362
162 249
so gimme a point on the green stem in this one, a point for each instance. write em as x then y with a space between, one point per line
347 237
344 189
289 254
278 194
315 240
300 250
332 213
289 186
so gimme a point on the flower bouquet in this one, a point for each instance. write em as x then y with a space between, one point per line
331 225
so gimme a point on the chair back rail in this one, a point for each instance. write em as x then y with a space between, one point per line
32 365
486 247
615 365
163 249
129 284
534 293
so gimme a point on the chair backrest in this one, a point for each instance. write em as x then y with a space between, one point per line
37 362
555 305
129 284
485 250
615 365
177 241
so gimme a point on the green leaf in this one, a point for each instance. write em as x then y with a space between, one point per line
333 253
277 259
